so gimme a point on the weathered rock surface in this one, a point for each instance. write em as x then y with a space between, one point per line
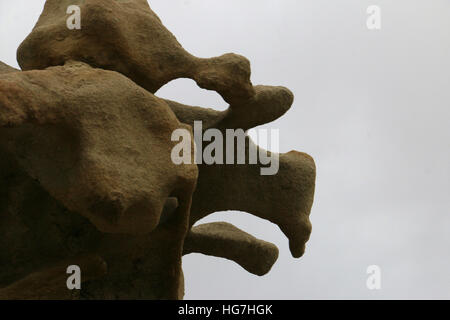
224 240
51 283
128 37
99 144
85 170
4 68
284 199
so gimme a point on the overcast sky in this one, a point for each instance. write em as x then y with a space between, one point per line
371 107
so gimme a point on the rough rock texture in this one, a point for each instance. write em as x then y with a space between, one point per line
4 68
128 37
225 240
86 176
51 283
100 146
97 142
284 199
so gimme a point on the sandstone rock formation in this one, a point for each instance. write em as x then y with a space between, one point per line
86 176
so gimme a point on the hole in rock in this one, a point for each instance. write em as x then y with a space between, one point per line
249 223
187 92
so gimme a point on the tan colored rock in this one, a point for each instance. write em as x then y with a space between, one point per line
4 68
97 142
70 134
284 199
50 284
79 142
128 37
224 240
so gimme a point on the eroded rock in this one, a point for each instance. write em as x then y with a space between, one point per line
97 142
85 156
224 240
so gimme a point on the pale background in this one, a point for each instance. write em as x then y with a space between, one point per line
372 108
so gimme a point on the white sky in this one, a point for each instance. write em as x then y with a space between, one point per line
372 108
